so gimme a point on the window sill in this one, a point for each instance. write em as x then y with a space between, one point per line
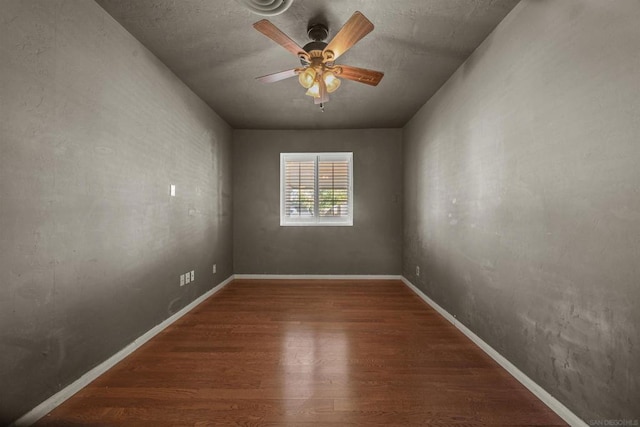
316 224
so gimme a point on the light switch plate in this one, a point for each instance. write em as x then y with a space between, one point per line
193 275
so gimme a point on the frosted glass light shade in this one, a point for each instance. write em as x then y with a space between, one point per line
307 77
314 90
331 81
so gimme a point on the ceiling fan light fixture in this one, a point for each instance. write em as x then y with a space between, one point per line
307 77
331 81
314 90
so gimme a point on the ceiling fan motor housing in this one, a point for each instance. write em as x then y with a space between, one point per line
317 33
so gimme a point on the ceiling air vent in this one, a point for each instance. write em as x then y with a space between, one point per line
267 7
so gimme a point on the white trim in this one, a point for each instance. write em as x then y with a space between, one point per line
57 399
554 404
317 277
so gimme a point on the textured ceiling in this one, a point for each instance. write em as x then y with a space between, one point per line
212 46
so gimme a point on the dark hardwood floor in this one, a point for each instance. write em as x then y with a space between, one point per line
307 353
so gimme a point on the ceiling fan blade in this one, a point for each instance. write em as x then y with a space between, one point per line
274 33
276 77
362 75
351 32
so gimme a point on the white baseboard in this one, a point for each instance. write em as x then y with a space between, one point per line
554 404
57 399
317 277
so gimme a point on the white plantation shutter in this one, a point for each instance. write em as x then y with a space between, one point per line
316 189
299 192
333 188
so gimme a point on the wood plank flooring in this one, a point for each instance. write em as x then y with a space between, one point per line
307 353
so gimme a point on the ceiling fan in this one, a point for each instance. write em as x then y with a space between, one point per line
319 74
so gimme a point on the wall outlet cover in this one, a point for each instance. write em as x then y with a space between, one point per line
187 277
193 275
182 280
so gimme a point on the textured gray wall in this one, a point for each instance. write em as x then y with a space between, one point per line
372 246
522 199
93 130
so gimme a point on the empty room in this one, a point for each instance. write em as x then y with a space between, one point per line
315 212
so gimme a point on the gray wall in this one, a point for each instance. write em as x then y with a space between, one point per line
93 130
372 246
522 203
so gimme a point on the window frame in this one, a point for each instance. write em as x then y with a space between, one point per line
316 221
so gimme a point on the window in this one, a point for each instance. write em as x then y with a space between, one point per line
316 189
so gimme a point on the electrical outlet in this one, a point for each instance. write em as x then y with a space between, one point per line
187 278
193 275
417 271
182 280
214 269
